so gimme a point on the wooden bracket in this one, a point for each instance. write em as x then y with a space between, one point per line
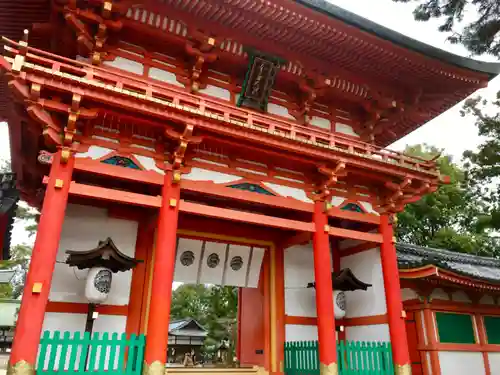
332 174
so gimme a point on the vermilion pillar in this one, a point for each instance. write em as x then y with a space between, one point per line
36 291
324 292
397 328
163 275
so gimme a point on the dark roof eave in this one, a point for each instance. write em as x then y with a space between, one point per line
322 6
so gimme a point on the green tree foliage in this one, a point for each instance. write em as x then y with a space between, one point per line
214 307
452 217
21 253
479 35
483 164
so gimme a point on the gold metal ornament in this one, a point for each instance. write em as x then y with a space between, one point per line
65 155
155 368
403 369
331 369
21 368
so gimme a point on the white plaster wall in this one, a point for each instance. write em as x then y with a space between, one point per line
217 92
345 129
408 294
149 164
368 268
294 332
76 323
487 300
83 227
94 152
126 64
321 122
279 110
299 271
494 360
460 296
164 76
286 191
376 332
199 174
461 363
439 294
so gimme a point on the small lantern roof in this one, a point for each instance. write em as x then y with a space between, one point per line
345 281
106 254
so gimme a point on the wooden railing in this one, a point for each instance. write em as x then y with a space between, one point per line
81 354
354 358
145 90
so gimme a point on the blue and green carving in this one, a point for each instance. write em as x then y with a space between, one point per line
352 207
121 161
254 188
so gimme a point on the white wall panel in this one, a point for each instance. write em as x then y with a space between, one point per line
83 228
295 332
345 129
126 64
461 363
408 294
439 293
494 360
376 332
164 75
217 92
287 191
279 110
199 174
368 268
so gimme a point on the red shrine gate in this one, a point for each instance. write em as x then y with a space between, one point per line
256 124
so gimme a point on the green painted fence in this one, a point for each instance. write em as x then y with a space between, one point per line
354 358
81 354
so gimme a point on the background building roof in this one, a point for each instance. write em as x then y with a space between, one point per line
469 265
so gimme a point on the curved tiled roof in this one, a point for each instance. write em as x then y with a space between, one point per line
473 266
323 6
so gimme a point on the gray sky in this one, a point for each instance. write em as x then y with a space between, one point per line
448 131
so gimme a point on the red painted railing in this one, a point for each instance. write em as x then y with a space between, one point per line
176 98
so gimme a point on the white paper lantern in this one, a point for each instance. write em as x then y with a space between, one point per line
339 304
98 284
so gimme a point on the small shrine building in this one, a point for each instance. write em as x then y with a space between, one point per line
239 143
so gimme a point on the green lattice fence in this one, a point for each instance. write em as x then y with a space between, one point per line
81 354
354 358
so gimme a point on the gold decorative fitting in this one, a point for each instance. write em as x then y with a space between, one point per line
21 368
394 240
403 314
155 368
327 228
211 41
65 155
96 59
37 288
35 91
331 369
173 202
328 205
108 5
403 369
59 184
176 178
18 63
